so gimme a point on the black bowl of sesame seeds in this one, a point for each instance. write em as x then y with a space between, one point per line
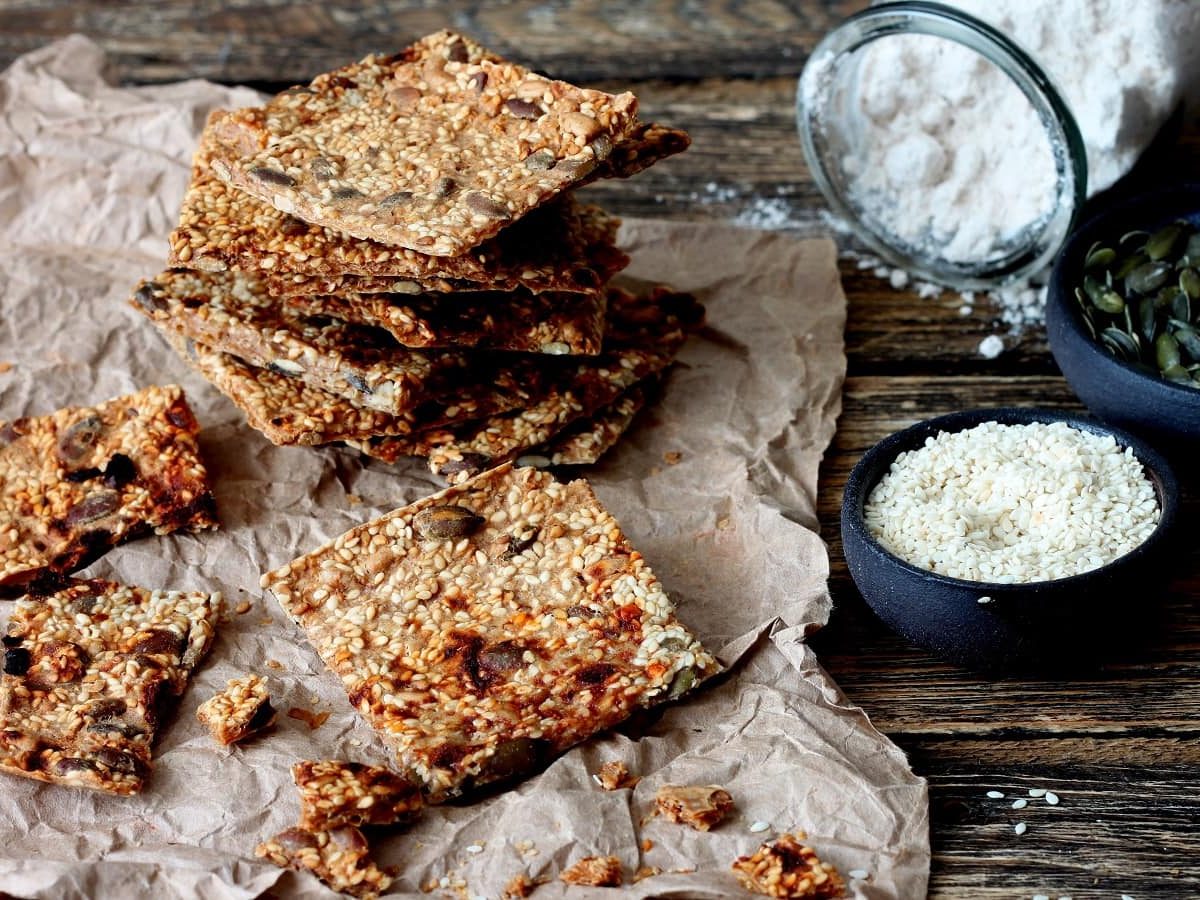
1010 540
1123 316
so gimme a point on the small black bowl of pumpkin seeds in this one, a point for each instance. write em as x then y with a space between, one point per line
1123 315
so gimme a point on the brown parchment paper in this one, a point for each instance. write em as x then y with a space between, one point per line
90 180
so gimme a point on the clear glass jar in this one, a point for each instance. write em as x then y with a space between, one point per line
830 119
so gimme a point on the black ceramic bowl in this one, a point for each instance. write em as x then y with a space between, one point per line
1043 625
1166 413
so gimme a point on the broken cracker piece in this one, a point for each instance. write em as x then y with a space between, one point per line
334 793
594 871
237 712
339 858
83 479
787 868
90 670
446 587
697 807
614 775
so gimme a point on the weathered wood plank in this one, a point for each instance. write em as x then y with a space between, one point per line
277 41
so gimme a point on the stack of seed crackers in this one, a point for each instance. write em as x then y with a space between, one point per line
391 257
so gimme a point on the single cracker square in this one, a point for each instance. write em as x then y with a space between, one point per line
557 323
91 670
229 312
288 411
435 149
334 793
83 479
243 708
562 246
492 626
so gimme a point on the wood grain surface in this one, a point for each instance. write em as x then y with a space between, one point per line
1119 746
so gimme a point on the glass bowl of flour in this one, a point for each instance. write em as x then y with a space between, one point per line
943 144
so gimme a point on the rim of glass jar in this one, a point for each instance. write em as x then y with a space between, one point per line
1066 143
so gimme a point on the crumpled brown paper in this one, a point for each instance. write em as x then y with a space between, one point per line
91 180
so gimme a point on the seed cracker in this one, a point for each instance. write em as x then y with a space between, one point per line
435 149
491 626
81 480
334 793
563 246
645 334
90 671
583 442
241 709
557 323
787 868
228 312
287 411
339 858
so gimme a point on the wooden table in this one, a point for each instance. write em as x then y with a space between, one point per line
1120 746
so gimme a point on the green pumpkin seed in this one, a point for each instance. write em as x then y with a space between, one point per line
1099 256
1166 296
1148 277
1189 283
1189 340
1177 374
1181 307
1129 236
1129 264
1147 321
1192 252
1122 345
1166 352
1162 242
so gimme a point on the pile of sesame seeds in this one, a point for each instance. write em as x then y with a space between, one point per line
1009 504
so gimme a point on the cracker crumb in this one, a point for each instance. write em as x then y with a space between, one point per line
354 499
646 872
614 775
519 886
594 871
242 608
5 367
243 708
672 457
274 664
787 868
699 807
647 845
266 620
313 720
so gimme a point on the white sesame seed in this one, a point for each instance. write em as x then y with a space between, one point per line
760 826
1052 798
596 778
995 795
1020 828
1047 500
1020 803
1040 897
859 873
984 600
1037 792
1064 898
474 848
1126 897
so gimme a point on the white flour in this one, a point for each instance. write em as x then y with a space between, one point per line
951 156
